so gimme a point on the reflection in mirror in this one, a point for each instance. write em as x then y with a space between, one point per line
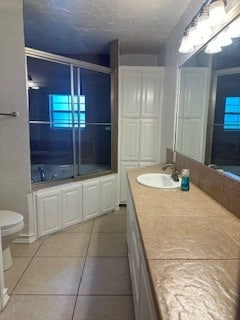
208 120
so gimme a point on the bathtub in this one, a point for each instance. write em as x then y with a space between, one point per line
232 171
54 172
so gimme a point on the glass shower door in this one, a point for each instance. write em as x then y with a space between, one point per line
50 118
69 118
93 136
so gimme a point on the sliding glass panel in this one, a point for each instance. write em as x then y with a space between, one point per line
51 153
70 120
50 120
93 139
95 145
95 88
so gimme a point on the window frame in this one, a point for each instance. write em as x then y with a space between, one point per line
226 126
67 123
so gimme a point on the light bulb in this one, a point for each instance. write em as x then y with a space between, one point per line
203 26
223 39
217 13
186 46
195 36
233 30
213 47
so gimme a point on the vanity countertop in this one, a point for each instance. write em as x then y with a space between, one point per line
192 250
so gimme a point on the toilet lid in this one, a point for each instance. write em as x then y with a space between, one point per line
9 218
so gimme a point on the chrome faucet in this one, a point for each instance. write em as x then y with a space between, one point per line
216 167
213 166
42 173
174 171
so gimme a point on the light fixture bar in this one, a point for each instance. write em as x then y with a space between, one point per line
204 25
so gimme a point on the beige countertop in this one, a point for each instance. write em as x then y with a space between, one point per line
192 248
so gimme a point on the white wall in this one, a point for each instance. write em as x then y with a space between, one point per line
139 60
15 178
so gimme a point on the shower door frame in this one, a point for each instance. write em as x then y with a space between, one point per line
73 63
212 107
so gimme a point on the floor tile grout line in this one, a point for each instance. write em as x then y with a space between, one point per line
35 256
91 233
194 259
105 295
57 257
107 257
110 232
46 294
73 232
84 258
73 294
80 280
27 266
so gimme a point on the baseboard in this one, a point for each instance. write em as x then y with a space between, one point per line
6 298
25 238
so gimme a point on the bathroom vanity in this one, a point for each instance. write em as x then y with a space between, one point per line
184 253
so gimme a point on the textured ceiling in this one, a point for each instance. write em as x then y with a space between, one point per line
87 26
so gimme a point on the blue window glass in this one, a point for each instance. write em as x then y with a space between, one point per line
61 111
232 113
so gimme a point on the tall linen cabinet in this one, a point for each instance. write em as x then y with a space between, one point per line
141 92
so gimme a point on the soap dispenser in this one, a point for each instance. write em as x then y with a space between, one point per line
185 180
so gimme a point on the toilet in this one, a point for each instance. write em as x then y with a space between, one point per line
11 224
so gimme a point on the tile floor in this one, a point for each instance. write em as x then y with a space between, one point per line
80 273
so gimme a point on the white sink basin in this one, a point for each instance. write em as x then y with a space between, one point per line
158 180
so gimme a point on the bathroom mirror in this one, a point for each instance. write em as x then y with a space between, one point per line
208 118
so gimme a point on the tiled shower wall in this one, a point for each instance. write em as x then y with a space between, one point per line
224 190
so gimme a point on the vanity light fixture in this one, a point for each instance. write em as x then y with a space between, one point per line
197 31
217 13
211 15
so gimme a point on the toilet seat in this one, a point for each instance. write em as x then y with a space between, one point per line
10 221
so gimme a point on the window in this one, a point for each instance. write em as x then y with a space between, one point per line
232 113
61 111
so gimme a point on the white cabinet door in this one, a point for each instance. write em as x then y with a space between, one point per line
142 294
125 166
192 117
91 199
130 139
151 94
133 253
193 139
108 194
194 92
146 305
71 210
48 212
149 146
130 93
135 267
